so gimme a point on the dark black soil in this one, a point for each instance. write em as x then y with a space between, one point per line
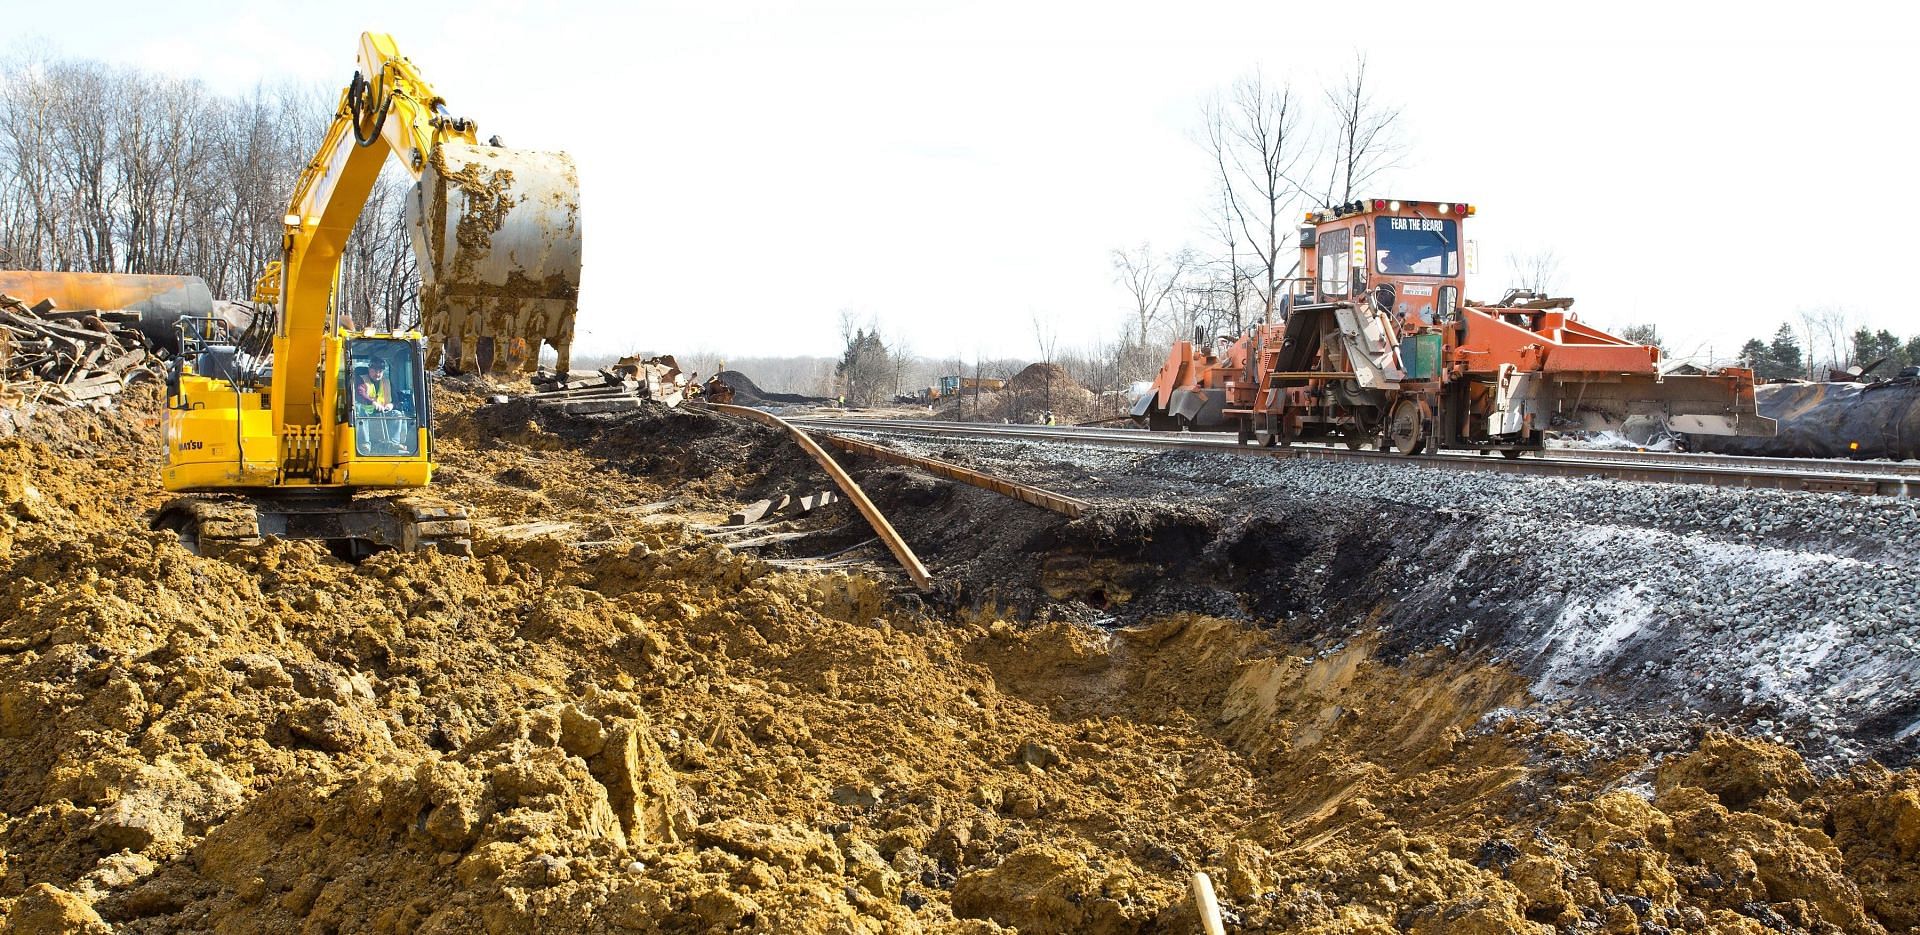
748 393
713 457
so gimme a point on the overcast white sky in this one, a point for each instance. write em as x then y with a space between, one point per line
750 169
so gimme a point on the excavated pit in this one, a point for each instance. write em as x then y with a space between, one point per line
610 721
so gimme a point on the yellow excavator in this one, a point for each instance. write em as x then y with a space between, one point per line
302 425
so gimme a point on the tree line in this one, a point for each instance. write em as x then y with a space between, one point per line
1825 343
107 169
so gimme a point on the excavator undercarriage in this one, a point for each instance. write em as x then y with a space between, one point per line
353 526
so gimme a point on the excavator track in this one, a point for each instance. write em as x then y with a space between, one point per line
211 524
433 523
352 526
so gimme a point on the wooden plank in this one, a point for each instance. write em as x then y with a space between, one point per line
84 334
898 546
586 407
101 380
124 361
78 393
807 503
751 513
1025 493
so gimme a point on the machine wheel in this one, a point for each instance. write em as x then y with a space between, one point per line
1355 441
1512 454
1405 430
1268 435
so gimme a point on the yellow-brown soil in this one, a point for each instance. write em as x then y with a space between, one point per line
649 733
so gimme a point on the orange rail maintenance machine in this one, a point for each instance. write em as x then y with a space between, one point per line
1379 345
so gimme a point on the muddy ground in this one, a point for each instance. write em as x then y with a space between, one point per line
607 720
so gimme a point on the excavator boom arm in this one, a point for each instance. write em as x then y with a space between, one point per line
496 230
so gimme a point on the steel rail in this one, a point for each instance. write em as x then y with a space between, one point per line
1815 465
1854 477
1025 493
877 520
1565 454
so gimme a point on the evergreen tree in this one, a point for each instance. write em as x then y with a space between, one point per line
1870 346
1784 352
865 366
1644 334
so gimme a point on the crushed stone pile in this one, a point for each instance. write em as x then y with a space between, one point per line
641 730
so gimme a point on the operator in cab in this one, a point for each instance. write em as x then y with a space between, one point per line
371 392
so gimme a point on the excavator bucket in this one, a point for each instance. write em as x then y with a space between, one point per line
498 236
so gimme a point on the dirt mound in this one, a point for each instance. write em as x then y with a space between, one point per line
1041 377
1033 393
748 393
642 730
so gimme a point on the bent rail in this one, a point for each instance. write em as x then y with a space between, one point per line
898 546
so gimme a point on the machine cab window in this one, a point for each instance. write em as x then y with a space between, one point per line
1334 262
1417 246
382 397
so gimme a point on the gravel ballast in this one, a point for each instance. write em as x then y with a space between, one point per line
1634 608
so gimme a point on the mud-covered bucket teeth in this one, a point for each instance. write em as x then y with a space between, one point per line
498 235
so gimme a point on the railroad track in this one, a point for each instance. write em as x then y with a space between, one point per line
1864 478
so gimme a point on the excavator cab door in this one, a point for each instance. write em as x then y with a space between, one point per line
383 397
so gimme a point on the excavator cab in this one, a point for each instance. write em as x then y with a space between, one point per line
382 404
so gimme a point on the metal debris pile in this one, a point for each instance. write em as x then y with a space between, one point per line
69 356
624 386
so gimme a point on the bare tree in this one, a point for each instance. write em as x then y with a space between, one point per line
116 170
1537 272
1829 331
1227 281
902 358
1257 149
1366 139
1149 280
